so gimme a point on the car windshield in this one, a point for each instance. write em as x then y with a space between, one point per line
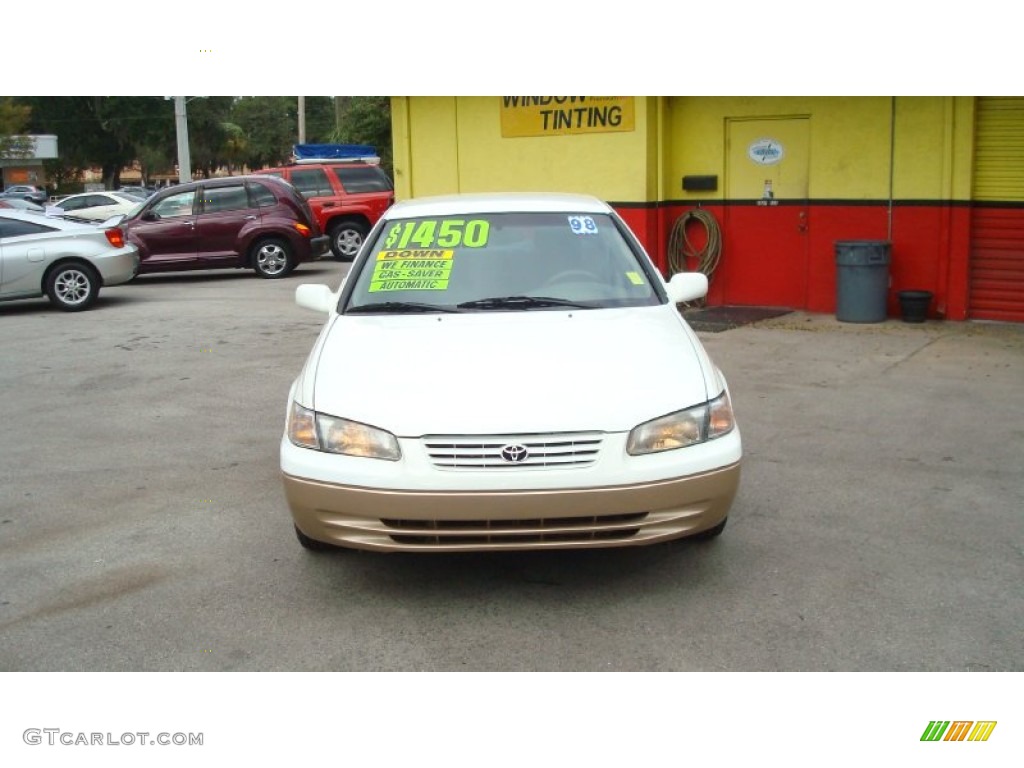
500 262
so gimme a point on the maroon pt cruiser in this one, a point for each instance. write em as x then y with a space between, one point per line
257 222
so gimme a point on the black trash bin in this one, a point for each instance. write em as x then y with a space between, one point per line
862 280
914 305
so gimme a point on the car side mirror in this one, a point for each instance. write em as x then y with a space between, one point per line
315 296
687 286
151 216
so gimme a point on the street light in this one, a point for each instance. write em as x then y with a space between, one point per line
181 128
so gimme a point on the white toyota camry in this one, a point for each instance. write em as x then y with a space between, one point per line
506 372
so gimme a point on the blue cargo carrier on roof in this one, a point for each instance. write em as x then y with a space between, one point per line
321 152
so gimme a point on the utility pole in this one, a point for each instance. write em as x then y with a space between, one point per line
302 119
181 125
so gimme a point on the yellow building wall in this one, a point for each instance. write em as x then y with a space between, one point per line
426 146
933 148
859 147
454 144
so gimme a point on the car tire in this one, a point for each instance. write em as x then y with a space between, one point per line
272 258
73 286
711 533
346 239
312 544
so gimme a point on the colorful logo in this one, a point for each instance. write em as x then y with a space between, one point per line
958 730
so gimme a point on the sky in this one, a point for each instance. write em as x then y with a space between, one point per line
448 47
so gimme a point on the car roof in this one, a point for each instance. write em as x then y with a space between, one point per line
36 217
220 181
498 202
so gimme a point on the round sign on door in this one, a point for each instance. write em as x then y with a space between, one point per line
765 151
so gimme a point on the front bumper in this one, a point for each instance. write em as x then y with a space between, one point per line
454 521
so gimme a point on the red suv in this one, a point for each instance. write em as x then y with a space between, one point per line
256 222
347 197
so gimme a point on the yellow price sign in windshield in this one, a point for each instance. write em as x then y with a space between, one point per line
412 270
433 233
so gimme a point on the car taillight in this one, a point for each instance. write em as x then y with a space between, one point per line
302 229
115 237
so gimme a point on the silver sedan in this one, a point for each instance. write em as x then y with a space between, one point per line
67 261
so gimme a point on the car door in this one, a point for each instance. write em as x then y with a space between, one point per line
22 257
223 213
366 187
166 233
101 207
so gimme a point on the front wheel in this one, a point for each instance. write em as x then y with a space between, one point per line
272 259
312 544
73 287
346 239
711 533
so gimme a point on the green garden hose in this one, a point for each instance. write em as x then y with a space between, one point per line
681 251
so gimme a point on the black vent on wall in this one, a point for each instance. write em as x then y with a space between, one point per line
700 183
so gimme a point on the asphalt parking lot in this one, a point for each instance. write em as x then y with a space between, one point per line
143 526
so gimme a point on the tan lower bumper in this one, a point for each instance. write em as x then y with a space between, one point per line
386 520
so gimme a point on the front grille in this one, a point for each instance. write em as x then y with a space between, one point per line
537 531
562 450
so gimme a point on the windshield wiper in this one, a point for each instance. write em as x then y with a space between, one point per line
521 302
398 307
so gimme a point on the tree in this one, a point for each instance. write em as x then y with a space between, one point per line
62 175
207 132
14 119
114 132
366 120
235 146
269 127
104 131
319 119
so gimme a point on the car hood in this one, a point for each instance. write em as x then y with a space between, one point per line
507 372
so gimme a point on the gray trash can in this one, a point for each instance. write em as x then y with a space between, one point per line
862 280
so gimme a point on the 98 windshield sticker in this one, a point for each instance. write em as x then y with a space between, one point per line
583 225
438 233
412 270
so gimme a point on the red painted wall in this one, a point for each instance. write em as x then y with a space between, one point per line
785 255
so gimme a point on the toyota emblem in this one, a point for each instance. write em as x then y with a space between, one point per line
514 453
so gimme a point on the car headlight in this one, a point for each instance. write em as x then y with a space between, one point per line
682 428
302 427
320 432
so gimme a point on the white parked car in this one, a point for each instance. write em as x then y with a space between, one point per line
97 206
67 261
506 372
